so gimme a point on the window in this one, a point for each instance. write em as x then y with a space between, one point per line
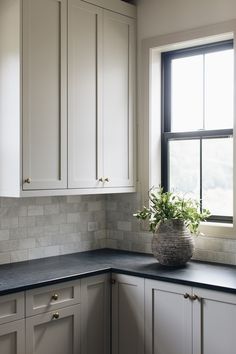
197 125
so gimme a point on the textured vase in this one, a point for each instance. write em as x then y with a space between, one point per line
172 244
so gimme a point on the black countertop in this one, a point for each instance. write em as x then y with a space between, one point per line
31 274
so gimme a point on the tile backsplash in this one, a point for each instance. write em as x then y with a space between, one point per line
47 226
125 232
40 227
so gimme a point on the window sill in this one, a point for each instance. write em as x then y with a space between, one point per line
221 230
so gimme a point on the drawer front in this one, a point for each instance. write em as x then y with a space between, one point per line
12 307
52 297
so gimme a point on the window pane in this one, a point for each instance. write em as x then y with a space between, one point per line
187 93
219 90
184 165
217 176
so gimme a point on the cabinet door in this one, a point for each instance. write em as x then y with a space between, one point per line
168 320
84 38
214 322
127 314
95 312
12 337
44 94
12 307
54 332
117 125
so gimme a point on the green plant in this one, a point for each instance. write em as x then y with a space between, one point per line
167 205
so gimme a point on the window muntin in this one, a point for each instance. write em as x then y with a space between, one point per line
197 125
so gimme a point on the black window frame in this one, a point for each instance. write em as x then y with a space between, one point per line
166 133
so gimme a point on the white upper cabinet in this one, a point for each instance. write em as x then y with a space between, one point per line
44 94
67 97
101 98
117 125
83 41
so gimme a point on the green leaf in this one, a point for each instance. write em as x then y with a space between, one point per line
167 205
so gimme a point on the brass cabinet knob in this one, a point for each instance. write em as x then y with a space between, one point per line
186 295
55 297
55 316
195 297
103 179
27 180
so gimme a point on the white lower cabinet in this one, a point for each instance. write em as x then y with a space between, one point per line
214 322
12 324
54 332
12 337
95 312
127 314
184 320
168 328
138 315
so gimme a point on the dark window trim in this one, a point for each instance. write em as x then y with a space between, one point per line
166 134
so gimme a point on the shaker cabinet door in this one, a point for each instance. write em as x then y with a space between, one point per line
95 313
55 332
12 337
127 314
84 40
44 94
117 125
168 318
214 322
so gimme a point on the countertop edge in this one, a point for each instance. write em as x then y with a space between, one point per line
111 269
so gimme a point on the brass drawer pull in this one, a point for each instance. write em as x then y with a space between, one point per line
106 179
55 316
186 296
55 297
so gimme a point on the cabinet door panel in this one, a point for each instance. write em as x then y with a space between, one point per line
214 323
59 336
117 101
12 307
52 297
96 314
84 35
12 338
127 315
168 318
44 94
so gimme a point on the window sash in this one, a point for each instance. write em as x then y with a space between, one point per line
199 135
166 133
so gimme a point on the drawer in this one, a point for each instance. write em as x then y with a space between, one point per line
12 307
52 297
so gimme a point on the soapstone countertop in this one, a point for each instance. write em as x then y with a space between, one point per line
26 275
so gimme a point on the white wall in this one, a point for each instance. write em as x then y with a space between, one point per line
159 17
156 17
